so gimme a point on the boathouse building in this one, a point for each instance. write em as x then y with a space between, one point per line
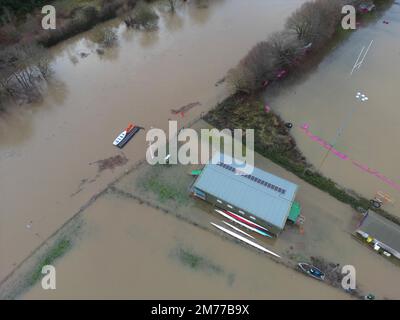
260 196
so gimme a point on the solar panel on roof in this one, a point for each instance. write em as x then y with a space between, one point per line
253 178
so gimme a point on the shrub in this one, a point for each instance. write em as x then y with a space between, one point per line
316 21
285 48
257 66
106 38
144 17
9 35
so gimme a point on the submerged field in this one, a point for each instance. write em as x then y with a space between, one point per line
143 236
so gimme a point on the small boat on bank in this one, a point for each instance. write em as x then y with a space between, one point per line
312 271
126 135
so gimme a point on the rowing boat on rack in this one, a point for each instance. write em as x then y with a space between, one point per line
239 237
222 213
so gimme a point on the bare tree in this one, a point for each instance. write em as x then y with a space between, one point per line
23 68
286 48
172 4
303 22
316 21
254 69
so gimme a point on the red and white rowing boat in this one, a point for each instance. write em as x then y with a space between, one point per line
244 220
241 221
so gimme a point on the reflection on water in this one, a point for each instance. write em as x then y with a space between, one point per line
199 14
9 132
173 21
149 39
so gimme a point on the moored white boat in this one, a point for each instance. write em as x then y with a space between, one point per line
121 137
312 271
126 135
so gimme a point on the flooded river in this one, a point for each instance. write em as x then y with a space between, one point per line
327 102
47 152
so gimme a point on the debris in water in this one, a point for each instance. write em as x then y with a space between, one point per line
185 108
111 163
265 83
289 125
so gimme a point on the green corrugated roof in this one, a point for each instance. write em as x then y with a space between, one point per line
295 211
195 172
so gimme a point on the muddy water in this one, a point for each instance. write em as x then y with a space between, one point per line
47 152
325 101
133 250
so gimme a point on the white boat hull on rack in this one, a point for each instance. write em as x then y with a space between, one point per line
239 237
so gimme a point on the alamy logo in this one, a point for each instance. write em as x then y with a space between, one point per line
196 150
349 278
49 278
349 20
49 20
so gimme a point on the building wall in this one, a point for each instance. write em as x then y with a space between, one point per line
242 212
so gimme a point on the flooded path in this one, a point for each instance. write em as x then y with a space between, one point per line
48 153
326 101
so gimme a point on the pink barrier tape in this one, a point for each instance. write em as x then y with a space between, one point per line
323 143
305 128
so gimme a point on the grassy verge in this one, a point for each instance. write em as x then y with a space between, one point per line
161 183
29 272
56 251
197 262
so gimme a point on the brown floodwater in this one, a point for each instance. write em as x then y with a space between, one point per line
326 101
48 153
127 250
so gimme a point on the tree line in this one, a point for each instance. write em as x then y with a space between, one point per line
24 70
310 27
